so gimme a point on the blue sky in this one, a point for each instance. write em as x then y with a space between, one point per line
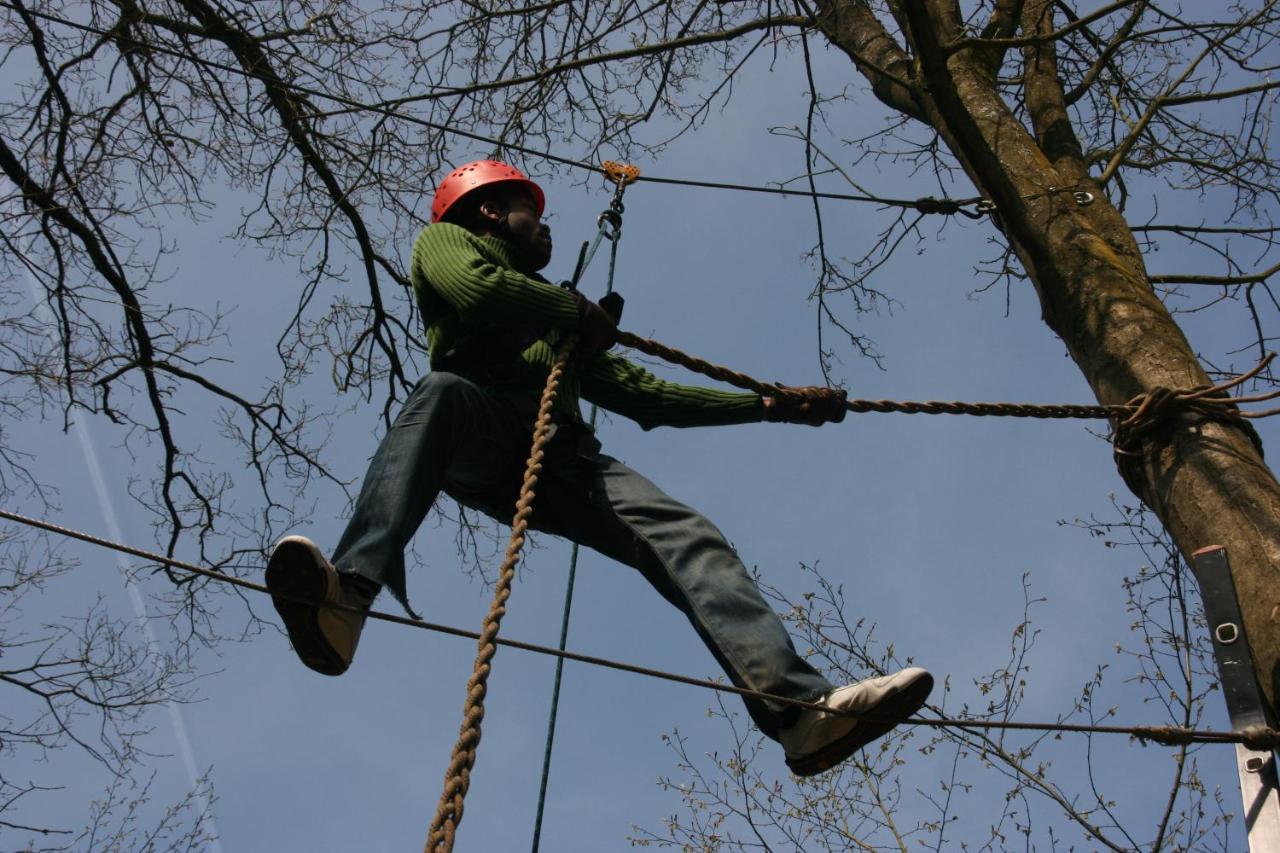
929 523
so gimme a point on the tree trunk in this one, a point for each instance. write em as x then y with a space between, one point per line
1205 479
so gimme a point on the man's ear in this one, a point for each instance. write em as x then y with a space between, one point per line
492 211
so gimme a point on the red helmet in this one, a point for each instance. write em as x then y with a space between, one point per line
476 174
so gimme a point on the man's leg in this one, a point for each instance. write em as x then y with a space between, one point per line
449 430
610 508
604 504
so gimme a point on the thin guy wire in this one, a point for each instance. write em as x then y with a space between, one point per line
573 570
1266 739
925 205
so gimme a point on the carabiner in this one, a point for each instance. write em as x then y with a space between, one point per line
613 219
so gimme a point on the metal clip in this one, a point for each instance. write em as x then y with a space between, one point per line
985 205
1082 198
613 219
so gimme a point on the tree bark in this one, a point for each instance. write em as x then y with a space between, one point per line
1205 479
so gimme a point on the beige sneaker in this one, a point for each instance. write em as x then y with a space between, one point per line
819 740
325 638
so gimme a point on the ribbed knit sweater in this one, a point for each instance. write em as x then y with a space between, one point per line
487 320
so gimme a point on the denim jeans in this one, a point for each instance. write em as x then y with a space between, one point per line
472 442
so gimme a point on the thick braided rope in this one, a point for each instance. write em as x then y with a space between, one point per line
1132 420
927 407
457 778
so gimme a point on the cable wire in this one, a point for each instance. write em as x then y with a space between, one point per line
973 208
1260 737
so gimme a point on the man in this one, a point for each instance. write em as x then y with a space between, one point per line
493 326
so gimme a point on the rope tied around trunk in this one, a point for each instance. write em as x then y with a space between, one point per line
1154 410
457 779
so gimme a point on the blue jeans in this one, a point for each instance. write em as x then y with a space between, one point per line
472 442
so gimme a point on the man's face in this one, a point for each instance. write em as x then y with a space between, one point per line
530 234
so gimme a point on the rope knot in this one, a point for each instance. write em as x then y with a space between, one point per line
1157 408
801 393
1147 411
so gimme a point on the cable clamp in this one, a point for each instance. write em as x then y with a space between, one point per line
623 174
930 204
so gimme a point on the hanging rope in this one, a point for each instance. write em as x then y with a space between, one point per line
457 778
1255 737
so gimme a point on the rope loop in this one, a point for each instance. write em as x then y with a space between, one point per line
1155 410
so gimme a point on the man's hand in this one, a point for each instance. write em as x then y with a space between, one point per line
597 331
811 405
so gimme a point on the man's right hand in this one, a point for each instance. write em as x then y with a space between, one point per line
597 331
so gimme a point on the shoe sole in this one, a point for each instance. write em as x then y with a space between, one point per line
295 579
897 707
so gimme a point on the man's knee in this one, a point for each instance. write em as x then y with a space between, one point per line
442 383
437 393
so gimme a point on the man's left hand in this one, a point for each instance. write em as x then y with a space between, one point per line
811 405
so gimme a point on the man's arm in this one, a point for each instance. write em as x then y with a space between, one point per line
627 389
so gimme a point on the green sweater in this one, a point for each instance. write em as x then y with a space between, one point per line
487 320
